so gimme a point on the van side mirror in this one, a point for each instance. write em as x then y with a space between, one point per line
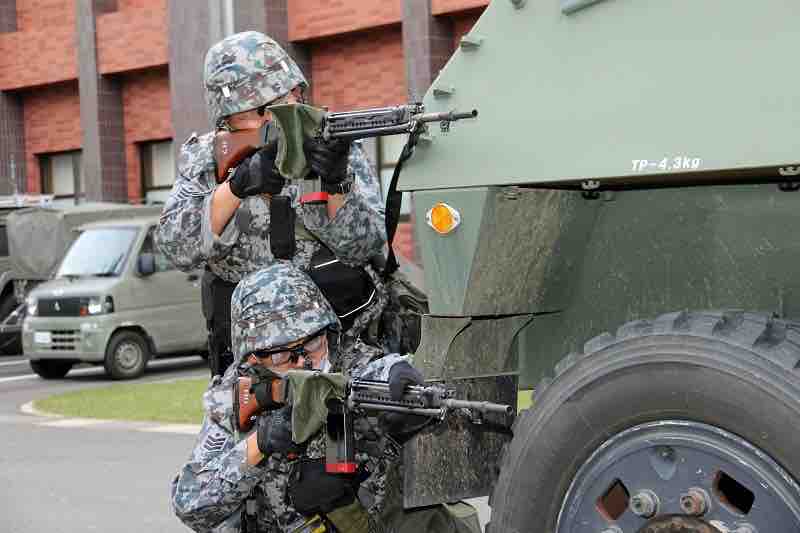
146 264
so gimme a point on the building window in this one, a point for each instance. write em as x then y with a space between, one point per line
61 174
389 149
158 170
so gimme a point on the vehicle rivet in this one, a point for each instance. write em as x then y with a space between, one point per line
519 4
695 502
644 504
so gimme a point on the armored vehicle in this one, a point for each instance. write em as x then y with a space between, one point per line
616 231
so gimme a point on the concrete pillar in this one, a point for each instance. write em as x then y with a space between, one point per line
12 130
103 142
427 45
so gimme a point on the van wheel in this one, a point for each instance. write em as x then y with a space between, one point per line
126 355
688 423
51 368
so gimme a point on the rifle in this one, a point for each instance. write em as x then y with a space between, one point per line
231 147
345 398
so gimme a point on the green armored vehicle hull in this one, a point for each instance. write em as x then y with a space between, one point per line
616 232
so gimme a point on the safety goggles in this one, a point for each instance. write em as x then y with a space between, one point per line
282 356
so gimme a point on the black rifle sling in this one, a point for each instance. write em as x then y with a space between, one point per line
394 200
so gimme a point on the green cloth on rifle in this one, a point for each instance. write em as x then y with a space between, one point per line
308 391
295 122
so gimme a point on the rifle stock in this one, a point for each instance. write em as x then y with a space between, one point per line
245 404
231 147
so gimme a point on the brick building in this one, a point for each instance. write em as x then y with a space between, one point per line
96 95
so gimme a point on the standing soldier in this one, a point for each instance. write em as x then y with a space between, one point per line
255 216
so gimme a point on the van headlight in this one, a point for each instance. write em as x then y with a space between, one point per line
31 305
98 306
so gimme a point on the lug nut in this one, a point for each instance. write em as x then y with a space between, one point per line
695 502
644 504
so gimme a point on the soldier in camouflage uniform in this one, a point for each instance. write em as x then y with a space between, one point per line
281 320
226 227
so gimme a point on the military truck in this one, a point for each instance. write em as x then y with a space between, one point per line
616 232
9 327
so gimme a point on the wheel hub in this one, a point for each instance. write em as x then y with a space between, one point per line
678 476
678 524
128 355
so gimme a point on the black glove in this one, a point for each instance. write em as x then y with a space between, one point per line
402 426
328 160
257 174
312 490
262 390
275 433
401 375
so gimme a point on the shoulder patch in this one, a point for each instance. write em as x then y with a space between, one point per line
214 443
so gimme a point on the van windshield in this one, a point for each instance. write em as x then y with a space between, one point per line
98 252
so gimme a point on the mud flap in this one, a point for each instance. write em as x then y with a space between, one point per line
458 459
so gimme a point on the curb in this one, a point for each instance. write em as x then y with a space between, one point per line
58 420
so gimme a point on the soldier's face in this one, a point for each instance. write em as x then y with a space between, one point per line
252 120
313 350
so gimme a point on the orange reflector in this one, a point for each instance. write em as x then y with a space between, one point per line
443 218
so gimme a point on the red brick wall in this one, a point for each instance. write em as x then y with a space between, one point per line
39 54
440 7
134 37
52 124
461 26
122 5
309 19
147 117
40 14
360 70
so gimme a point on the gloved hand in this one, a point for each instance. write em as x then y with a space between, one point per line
328 160
257 174
399 425
275 433
262 390
401 375
312 490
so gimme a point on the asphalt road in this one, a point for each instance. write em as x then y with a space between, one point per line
66 475
62 476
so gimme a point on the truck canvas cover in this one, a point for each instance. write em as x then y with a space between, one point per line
53 230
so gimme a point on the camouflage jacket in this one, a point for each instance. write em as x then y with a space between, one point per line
210 490
354 235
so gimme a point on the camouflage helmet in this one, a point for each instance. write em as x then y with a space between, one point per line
245 71
275 306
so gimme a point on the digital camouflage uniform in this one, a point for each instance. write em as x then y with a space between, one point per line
243 72
271 308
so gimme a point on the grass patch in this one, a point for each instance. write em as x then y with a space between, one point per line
177 402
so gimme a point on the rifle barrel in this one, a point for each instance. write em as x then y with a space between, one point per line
483 407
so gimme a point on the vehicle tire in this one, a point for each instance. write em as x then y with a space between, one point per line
10 344
127 354
51 368
648 409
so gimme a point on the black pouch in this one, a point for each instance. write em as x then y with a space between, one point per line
312 490
281 227
348 289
